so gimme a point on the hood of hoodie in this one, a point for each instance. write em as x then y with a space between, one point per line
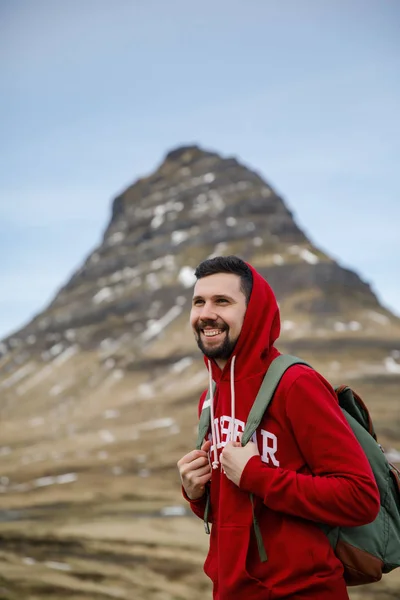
260 330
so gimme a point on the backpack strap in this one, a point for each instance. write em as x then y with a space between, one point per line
204 425
275 372
205 419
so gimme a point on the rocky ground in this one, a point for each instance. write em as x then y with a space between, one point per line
95 511
109 551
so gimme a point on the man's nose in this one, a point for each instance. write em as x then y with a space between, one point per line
208 312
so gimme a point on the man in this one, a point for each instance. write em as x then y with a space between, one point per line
303 467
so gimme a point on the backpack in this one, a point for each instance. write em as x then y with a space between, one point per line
368 551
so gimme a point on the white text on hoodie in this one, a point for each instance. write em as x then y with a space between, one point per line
223 427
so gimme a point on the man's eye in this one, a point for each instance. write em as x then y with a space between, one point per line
198 302
222 301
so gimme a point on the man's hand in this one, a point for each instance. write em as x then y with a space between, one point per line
234 458
195 470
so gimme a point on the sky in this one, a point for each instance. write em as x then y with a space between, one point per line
94 93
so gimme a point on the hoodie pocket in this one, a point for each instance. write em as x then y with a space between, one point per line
234 578
300 556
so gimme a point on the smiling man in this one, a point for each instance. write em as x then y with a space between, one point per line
297 465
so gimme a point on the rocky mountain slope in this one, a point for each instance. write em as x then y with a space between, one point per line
98 393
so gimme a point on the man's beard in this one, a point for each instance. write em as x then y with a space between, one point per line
221 352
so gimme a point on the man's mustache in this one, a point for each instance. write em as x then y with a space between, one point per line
210 323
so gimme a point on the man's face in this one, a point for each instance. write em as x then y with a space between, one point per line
218 310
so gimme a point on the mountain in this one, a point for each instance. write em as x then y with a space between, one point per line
99 391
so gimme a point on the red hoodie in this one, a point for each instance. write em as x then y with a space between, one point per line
311 469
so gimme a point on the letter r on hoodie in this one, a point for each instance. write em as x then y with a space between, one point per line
269 447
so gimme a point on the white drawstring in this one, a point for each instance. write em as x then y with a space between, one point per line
215 462
233 398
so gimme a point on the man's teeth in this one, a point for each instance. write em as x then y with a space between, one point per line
211 332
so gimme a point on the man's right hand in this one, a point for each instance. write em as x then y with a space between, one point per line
195 470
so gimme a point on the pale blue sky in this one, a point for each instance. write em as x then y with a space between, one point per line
93 93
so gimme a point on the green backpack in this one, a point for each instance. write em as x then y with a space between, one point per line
368 551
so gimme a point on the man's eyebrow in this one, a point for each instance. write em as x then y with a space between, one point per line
215 297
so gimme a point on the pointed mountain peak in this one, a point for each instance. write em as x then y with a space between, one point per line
187 154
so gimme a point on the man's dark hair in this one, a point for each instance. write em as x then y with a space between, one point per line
228 264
